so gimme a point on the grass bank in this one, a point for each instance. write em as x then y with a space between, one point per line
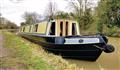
29 56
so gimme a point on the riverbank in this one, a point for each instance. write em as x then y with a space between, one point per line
29 56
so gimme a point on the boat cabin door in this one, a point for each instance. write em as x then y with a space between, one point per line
63 29
66 28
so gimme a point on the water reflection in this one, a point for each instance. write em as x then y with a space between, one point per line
107 61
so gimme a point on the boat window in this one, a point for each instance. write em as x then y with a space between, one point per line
66 28
30 29
36 27
52 29
23 29
61 28
74 32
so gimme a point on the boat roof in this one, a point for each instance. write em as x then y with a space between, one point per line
54 20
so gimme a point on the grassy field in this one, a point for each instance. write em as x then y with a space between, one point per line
24 55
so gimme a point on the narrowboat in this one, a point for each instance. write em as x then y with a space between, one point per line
62 37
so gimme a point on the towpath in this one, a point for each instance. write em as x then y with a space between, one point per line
7 62
3 50
3 53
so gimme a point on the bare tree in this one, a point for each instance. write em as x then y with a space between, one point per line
36 17
31 18
81 12
77 7
7 24
51 10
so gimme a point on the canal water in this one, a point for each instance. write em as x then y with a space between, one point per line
106 61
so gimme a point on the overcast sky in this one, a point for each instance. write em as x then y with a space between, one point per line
13 10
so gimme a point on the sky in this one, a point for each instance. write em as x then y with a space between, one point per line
13 10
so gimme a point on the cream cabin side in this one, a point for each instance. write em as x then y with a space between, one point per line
57 27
